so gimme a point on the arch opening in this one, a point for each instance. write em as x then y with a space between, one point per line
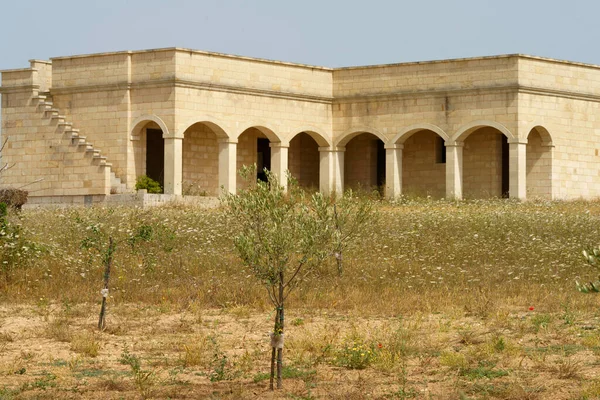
303 160
254 148
485 164
424 165
539 164
200 160
364 163
148 151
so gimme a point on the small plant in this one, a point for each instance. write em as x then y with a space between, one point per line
144 380
220 366
540 321
147 183
356 354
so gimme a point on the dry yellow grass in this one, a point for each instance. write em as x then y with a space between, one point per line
440 292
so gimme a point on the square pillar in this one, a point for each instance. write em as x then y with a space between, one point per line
228 165
173 172
393 170
454 170
517 169
279 161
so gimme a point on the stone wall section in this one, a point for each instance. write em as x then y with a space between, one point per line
422 174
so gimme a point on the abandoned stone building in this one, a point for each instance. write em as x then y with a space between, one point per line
82 128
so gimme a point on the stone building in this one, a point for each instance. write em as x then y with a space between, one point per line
81 128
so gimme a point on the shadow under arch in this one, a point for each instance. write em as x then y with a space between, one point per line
465 130
212 123
268 132
350 134
407 132
318 136
543 132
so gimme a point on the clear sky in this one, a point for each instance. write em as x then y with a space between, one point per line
329 33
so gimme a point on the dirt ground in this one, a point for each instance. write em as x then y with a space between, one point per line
55 351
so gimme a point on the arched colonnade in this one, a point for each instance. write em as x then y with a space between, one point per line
480 159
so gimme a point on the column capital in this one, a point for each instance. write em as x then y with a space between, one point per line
454 144
227 140
279 145
332 149
175 136
394 146
517 141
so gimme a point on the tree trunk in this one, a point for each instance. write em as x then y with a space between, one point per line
108 263
274 350
281 325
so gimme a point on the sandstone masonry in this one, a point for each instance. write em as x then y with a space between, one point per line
83 128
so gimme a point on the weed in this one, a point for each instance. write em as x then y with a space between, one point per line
540 321
59 329
86 344
356 354
143 380
288 372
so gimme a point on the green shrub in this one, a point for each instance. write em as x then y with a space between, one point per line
145 182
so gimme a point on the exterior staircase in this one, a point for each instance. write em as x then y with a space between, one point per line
76 138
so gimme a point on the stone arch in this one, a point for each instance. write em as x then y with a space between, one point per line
254 147
350 134
464 131
543 132
423 160
539 162
212 123
364 159
486 169
264 129
148 148
200 169
407 132
140 122
304 158
319 136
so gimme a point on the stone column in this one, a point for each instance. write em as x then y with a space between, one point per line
228 165
279 161
338 169
393 170
173 173
517 169
454 170
326 170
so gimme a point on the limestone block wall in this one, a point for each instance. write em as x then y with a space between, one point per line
200 161
252 73
456 74
44 159
482 164
558 76
303 160
574 127
422 175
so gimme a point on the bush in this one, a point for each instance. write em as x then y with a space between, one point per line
145 182
13 197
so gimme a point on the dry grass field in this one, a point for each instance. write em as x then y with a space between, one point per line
438 300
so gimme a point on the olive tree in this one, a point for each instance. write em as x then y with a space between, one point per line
282 236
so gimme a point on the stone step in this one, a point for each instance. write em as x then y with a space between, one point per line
65 125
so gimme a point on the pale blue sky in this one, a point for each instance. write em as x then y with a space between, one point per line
326 33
